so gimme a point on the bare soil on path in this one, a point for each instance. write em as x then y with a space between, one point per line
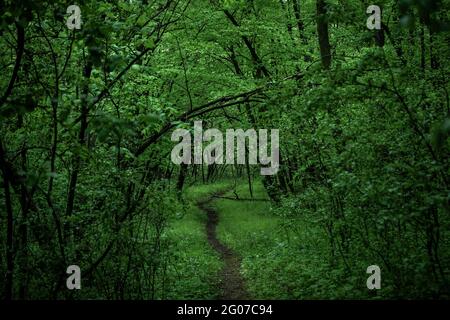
232 284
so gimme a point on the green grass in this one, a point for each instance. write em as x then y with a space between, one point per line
251 230
197 192
277 262
245 224
194 265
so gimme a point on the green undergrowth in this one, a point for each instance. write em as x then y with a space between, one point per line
278 263
280 259
194 264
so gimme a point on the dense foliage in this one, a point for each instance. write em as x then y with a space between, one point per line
86 175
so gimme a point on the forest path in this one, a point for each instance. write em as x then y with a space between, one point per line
232 284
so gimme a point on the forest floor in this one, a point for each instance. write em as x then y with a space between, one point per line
231 247
232 284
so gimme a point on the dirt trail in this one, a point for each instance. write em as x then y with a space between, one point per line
232 285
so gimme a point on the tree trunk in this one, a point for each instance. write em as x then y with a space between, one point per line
322 31
23 229
9 226
298 18
81 141
181 178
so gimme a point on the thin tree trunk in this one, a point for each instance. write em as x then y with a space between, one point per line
23 230
288 18
249 176
6 175
322 31
181 178
81 141
9 226
298 18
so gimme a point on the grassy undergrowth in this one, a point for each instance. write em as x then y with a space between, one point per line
277 262
251 229
192 272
